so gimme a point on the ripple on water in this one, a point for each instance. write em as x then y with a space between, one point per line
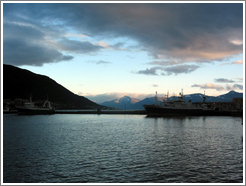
122 149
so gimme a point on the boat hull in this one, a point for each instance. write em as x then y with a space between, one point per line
153 110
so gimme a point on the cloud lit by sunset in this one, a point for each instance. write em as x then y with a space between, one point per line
128 47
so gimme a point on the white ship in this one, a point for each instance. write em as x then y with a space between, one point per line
29 108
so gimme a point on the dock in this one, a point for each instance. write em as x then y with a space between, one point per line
143 112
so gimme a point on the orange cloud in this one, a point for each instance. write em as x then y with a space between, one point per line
238 62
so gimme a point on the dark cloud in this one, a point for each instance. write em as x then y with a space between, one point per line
77 46
21 30
233 87
224 80
178 69
172 30
18 52
32 38
117 46
238 86
181 32
99 62
25 44
151 71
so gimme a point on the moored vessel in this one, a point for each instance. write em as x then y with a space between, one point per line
29 108
178 107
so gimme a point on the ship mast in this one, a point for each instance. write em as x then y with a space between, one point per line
156 98
181 94
204 97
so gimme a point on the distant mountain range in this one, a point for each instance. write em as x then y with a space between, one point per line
128 103
20 83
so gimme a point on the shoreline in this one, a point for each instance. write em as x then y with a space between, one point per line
137 112
129 112
142 112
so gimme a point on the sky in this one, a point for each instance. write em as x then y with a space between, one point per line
106 50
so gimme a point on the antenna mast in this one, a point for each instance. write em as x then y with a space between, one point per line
156 98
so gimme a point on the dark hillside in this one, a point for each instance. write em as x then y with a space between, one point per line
20 83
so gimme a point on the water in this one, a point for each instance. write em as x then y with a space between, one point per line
65 148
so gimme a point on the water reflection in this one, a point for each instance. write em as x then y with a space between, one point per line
186 142
122 148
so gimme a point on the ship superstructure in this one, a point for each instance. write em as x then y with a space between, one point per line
30 108
178 106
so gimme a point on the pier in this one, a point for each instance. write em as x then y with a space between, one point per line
101 112
129 112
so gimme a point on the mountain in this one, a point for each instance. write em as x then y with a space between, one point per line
128 103
222 98
20 83
127 100
147 101
230 95
124 103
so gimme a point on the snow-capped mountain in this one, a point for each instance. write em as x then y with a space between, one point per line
230 95
128 103
222 98
127 100
122 103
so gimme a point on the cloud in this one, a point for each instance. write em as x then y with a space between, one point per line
238 62
75 46
222 64
19 53
209 86
117 46
167 31
224 80
235 86
178 69
238 86
166 62
99 62
75 35
27 41
24 44
236 42
148 71
219 87
27 44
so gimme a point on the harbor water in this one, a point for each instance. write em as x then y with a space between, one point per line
91 148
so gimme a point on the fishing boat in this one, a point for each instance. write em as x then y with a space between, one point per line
30 108
6 109
178 107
